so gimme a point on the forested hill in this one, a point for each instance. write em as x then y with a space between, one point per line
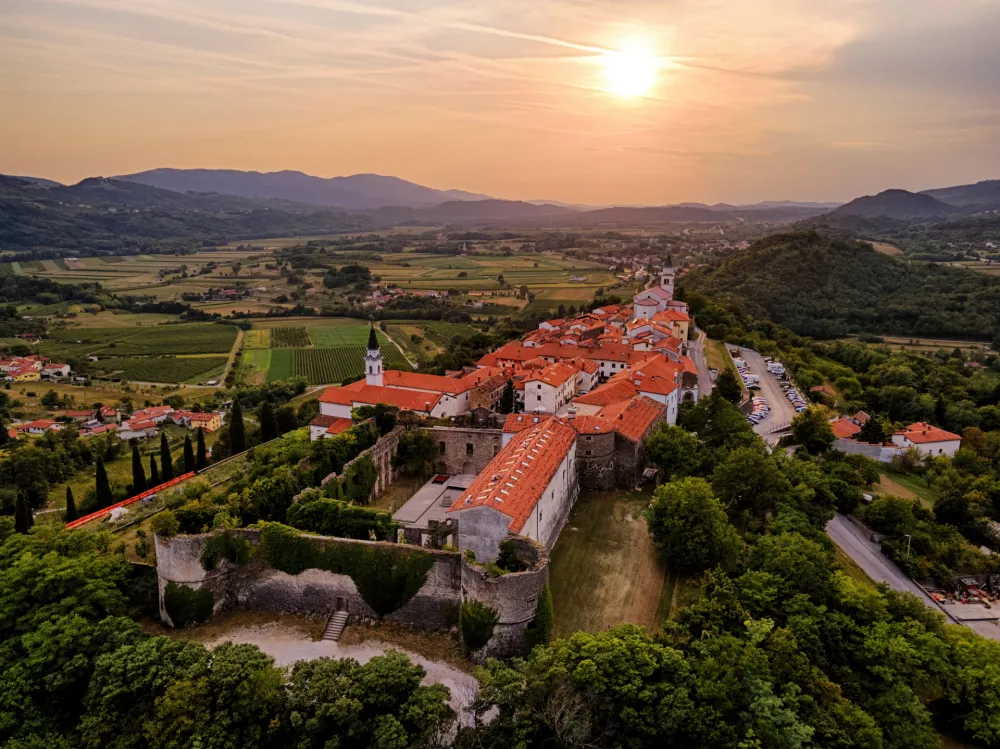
825 287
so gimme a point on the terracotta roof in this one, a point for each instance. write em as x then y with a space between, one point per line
200 416
587 424
554 374
514 481
671 315
844 429
632 418
324 421
922 433
515 423
416 381
360 392
339 425
39 424
861 417
611 392
647 302
141 424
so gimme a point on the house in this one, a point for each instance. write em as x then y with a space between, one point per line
79 416
528 489
137 429
548 390
93 431
156 414
929 440
41 426
24 374
517 423
328 426
208 421
109 415
56 370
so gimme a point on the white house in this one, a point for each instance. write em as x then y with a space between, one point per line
548 390
929 440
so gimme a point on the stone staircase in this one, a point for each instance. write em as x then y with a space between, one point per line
335 626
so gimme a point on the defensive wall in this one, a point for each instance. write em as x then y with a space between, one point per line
449 581
465 450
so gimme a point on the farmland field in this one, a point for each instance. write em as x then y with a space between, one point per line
257 338
187 338
163 368
289 337
328 365
415 352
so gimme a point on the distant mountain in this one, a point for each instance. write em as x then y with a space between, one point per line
895 204
357 192
827 287
652 215
984 194
107 215
470 212
40 181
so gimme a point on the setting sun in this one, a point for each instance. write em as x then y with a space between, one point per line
630 71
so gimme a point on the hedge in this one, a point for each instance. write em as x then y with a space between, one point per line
331 517
386 577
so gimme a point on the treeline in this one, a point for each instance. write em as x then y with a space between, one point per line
827 287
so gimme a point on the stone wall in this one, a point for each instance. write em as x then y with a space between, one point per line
465 450
382 453
595 455
314 592
514 598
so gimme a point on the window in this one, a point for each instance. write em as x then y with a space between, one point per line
441 448
539 397
468 448
495 450
588 438
586 453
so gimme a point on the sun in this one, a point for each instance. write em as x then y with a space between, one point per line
631 70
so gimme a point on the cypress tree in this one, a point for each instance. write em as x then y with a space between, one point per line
138 474
268 423
103 488
188 454
166 460
507 398
202 460
154 475
237 430
23 519
70 506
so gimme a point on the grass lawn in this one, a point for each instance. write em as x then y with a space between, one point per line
605 569
853 571
716 356
906 485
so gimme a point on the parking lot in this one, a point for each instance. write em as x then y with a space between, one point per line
774 409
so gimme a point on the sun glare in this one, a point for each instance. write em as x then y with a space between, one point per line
630 71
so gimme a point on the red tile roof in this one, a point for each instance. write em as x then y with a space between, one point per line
515 423
922 433
360 392
514 481
339 425
554 374
844 429
610 392
587 424
633 418
200 416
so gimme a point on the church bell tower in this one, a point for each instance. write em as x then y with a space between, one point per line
373 360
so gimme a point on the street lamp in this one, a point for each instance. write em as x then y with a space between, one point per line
909 539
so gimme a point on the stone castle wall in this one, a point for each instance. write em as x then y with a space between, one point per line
465 450
596 470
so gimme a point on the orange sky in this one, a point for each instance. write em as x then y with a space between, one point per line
752 99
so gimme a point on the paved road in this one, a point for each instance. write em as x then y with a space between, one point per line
696 351
867 555
782 412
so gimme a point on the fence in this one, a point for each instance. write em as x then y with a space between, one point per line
131 500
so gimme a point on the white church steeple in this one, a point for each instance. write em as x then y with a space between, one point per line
373 360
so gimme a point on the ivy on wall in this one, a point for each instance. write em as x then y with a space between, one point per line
475 623
386 577
225 545
187 605
539 629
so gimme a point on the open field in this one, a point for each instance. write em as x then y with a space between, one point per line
184 338
928 345
906 485
605 569
99 392
328 365
163 368
886 249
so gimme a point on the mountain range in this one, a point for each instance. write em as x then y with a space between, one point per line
937 203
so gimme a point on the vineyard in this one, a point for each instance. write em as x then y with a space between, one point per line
341 335
257 338
328 365
162 368
443 332
414 351
188 338
289 337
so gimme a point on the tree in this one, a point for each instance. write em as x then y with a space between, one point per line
507 398
166 459
417 453
268 424
51 400
749 479
561 311
154 473
728 386
237 429
23 518
201 459
188 455
674 451
811 430
138 473
103 486
287 419
70 515
690 526
874 431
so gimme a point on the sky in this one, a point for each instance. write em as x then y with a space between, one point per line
742 100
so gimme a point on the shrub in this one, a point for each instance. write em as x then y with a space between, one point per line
475 623
539 629
186 605
165 524
508 559
331 517
226 545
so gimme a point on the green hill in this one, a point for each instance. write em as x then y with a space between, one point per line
826 287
